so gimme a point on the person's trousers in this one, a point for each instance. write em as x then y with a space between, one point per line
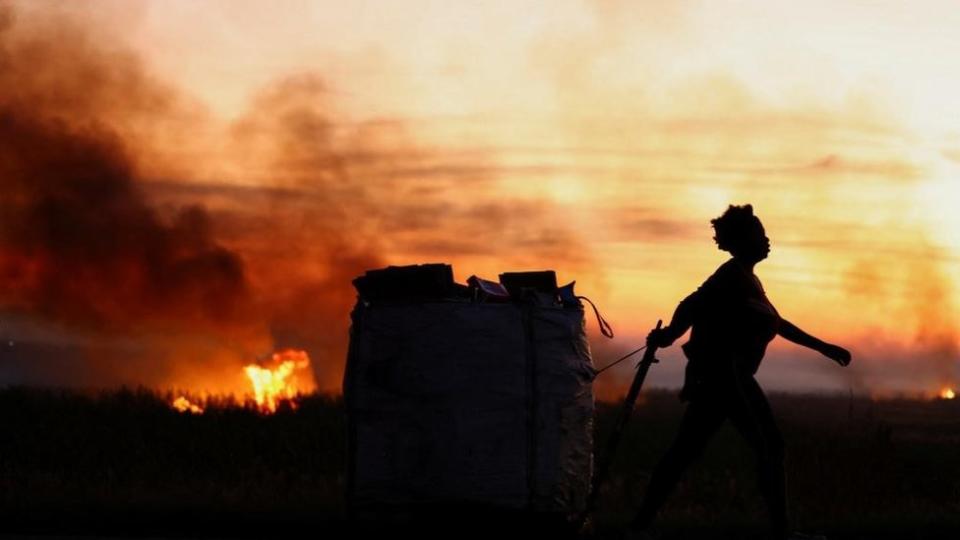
744 404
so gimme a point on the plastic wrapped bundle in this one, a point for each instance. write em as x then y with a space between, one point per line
460 401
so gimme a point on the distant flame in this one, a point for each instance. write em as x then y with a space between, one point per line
272 386
947 393
184 405
273 380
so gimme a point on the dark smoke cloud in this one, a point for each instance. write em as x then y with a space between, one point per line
79 242
183 280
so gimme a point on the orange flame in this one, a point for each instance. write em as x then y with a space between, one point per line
184 405
947 393
272 386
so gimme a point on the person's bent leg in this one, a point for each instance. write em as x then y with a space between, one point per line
700 421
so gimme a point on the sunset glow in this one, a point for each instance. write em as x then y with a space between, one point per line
268 153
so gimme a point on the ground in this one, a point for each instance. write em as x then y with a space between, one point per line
123 463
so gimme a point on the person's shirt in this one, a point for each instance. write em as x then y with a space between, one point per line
732 323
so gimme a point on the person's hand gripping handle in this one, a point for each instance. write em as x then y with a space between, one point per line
660 337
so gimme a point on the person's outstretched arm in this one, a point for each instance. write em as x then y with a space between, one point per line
790 332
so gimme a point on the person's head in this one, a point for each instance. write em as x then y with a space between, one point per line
740 232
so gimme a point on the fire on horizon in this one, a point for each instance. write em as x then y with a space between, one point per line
274 382
198 186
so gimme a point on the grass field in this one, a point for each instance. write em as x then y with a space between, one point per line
124 463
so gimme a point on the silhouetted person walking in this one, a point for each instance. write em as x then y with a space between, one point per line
732 321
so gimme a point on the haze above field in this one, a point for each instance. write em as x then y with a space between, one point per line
313 140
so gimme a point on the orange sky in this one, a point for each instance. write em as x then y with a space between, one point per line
597 138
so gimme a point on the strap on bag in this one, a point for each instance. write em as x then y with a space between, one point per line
605 327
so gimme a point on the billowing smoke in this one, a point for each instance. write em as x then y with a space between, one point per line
85 257
141 242
79 241
926 352
81 245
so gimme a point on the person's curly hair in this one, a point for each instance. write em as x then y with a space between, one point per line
734 226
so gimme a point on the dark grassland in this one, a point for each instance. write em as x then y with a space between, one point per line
124 463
